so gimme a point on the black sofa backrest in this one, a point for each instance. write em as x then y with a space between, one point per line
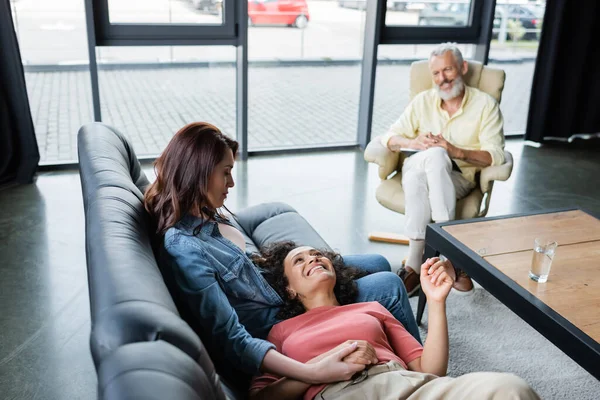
129 300
141 345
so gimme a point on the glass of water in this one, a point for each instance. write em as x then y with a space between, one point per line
543 254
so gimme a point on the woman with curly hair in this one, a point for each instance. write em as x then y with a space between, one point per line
322 317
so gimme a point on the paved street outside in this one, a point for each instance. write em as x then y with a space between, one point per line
288 106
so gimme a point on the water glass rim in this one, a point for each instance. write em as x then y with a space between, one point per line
544 242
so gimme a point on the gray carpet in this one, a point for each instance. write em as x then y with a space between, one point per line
486 336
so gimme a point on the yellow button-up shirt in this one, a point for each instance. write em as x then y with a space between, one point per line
477 125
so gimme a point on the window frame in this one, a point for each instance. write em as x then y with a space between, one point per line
156 34
397 34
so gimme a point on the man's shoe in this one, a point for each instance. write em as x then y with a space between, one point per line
463 282
411 280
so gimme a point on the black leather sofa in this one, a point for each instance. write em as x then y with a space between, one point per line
143 342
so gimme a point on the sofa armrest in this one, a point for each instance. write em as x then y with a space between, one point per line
496 173
379 154
156 370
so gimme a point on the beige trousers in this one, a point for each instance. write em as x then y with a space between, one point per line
392 382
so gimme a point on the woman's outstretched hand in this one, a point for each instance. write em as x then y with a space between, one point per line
436 279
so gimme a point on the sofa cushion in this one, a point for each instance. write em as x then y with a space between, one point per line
272 222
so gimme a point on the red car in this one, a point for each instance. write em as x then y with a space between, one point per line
278 12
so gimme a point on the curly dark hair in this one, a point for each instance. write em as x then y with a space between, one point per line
271 262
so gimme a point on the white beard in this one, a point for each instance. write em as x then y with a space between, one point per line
458 85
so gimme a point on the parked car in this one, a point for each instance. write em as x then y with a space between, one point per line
358 4
405 5
210 6
278 12
530 16
445 14
457 14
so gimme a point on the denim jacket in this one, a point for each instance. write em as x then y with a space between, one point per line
219 279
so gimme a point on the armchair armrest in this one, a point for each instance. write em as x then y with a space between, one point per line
496 173
379 154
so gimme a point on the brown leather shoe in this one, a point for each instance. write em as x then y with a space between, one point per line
463 282
411 280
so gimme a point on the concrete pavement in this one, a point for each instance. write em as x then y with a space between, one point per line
288 106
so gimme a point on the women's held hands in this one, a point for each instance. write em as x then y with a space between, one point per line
333 368
364 354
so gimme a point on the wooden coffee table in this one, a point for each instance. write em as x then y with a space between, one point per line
497 253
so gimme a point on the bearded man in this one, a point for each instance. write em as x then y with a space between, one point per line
456 130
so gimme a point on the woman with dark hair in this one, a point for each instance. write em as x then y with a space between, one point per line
226 291
320 304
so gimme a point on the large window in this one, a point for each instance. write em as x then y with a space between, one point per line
53 44
148 92
515 40
163 63
304 73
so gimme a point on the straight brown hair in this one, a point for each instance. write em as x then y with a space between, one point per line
183 171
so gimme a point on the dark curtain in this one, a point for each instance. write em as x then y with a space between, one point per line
565 95
19 153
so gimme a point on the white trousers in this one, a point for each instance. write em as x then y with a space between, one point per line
431 189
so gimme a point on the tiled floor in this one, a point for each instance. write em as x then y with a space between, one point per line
44 308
